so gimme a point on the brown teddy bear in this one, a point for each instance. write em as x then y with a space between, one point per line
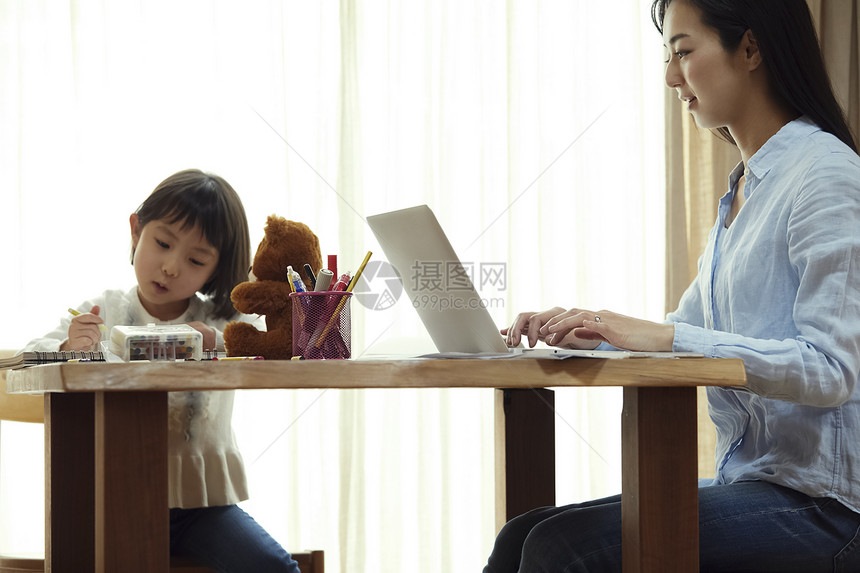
285 243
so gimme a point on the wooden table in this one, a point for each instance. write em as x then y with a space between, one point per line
106 443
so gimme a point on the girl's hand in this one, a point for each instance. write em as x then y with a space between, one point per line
575 326
84 333
529 324
208 334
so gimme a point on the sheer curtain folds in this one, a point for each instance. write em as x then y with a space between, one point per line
534 130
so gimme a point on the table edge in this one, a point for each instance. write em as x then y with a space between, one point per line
366 374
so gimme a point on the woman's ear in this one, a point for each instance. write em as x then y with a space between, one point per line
134 223
752 54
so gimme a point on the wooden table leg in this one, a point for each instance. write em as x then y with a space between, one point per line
525 451
131 523
69 483
659 499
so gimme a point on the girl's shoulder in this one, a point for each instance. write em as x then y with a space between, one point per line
202 308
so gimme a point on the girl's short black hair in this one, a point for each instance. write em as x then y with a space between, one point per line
208 202
789 48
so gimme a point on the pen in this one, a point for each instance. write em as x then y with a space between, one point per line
310 272
323 281
74 312
298 282
290 278
239 358
332 264
341 283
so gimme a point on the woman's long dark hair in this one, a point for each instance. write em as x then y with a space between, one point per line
789 48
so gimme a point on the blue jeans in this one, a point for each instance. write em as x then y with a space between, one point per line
749 526
228 540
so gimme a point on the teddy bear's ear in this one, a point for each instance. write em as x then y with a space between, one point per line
285 243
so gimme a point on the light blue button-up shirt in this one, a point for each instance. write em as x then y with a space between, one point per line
780 288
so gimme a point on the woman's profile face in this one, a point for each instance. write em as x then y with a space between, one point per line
711 81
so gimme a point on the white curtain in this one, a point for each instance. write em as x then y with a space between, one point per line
533 130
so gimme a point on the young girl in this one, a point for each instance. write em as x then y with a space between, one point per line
190 247
778 286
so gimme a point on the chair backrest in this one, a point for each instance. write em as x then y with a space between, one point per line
19 407
310 562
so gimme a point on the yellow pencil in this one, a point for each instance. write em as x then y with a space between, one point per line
74 312
354 280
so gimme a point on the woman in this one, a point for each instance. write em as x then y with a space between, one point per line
778 286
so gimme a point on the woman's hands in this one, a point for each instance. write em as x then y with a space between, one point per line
584 329
573 326
84 333
533 325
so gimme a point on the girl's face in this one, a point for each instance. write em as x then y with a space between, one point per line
171 264
712 81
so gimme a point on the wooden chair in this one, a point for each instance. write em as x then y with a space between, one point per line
23 408
22 564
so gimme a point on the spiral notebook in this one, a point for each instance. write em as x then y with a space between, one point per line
35 357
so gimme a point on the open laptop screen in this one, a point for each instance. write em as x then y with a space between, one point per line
451 310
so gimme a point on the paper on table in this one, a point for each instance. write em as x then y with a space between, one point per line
516 353
104 345
561 354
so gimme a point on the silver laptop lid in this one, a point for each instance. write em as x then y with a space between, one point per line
451 310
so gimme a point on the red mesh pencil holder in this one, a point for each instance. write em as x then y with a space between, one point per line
321 325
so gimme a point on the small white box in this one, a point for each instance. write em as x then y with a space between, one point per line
156 342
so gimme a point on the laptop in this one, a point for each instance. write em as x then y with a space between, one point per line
435 281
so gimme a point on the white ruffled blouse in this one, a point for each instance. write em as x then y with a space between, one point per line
205 465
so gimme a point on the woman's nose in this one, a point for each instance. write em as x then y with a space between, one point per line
673 76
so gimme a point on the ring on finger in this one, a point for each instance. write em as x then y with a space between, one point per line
596 318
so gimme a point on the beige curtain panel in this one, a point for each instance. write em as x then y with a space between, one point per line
698 165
